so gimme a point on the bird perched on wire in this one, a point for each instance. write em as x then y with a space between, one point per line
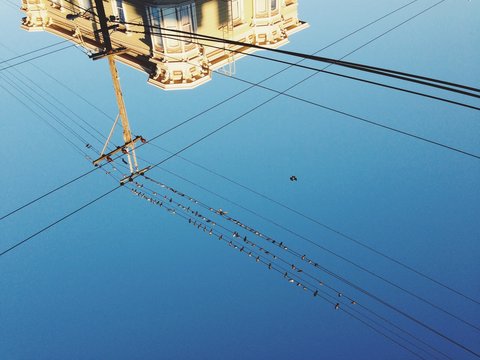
293 178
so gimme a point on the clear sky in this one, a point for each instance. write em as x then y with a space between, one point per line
123 279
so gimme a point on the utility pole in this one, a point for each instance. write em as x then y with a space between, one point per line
129 143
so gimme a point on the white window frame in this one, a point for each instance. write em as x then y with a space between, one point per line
238 5
80 6
158 17
267 10
116 10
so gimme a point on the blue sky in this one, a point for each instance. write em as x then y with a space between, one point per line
124 279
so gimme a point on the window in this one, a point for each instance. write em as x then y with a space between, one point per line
170 23
118 10
260 6
81 7
237 11
274 5
186 19
182 18
156 22
264 8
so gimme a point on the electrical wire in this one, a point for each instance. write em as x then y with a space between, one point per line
65 86
248 247
88 102
423 80
355 117
315 221
58 221
362 28
315 243
49 193
47 111
208 222
36 57
75 146
40 95
283 245
376 70
442 99
33 51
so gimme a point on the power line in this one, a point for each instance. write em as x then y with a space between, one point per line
198 114
370 122
392 87
51 114
249 247
49 193
33 51
58 221
188 209
363 119
86 205
40 94
36 57
293 252
329 251
61 83
186 147
247 89
313 220
376 70
307 239
163 160
75 146
47 111
423 80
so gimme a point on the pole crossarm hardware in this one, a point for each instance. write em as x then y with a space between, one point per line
129 144
123 149
133 175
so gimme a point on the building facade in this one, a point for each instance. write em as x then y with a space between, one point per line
154 35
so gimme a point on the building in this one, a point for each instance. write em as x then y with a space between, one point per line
143 30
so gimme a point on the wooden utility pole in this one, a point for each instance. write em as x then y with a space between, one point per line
129 144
